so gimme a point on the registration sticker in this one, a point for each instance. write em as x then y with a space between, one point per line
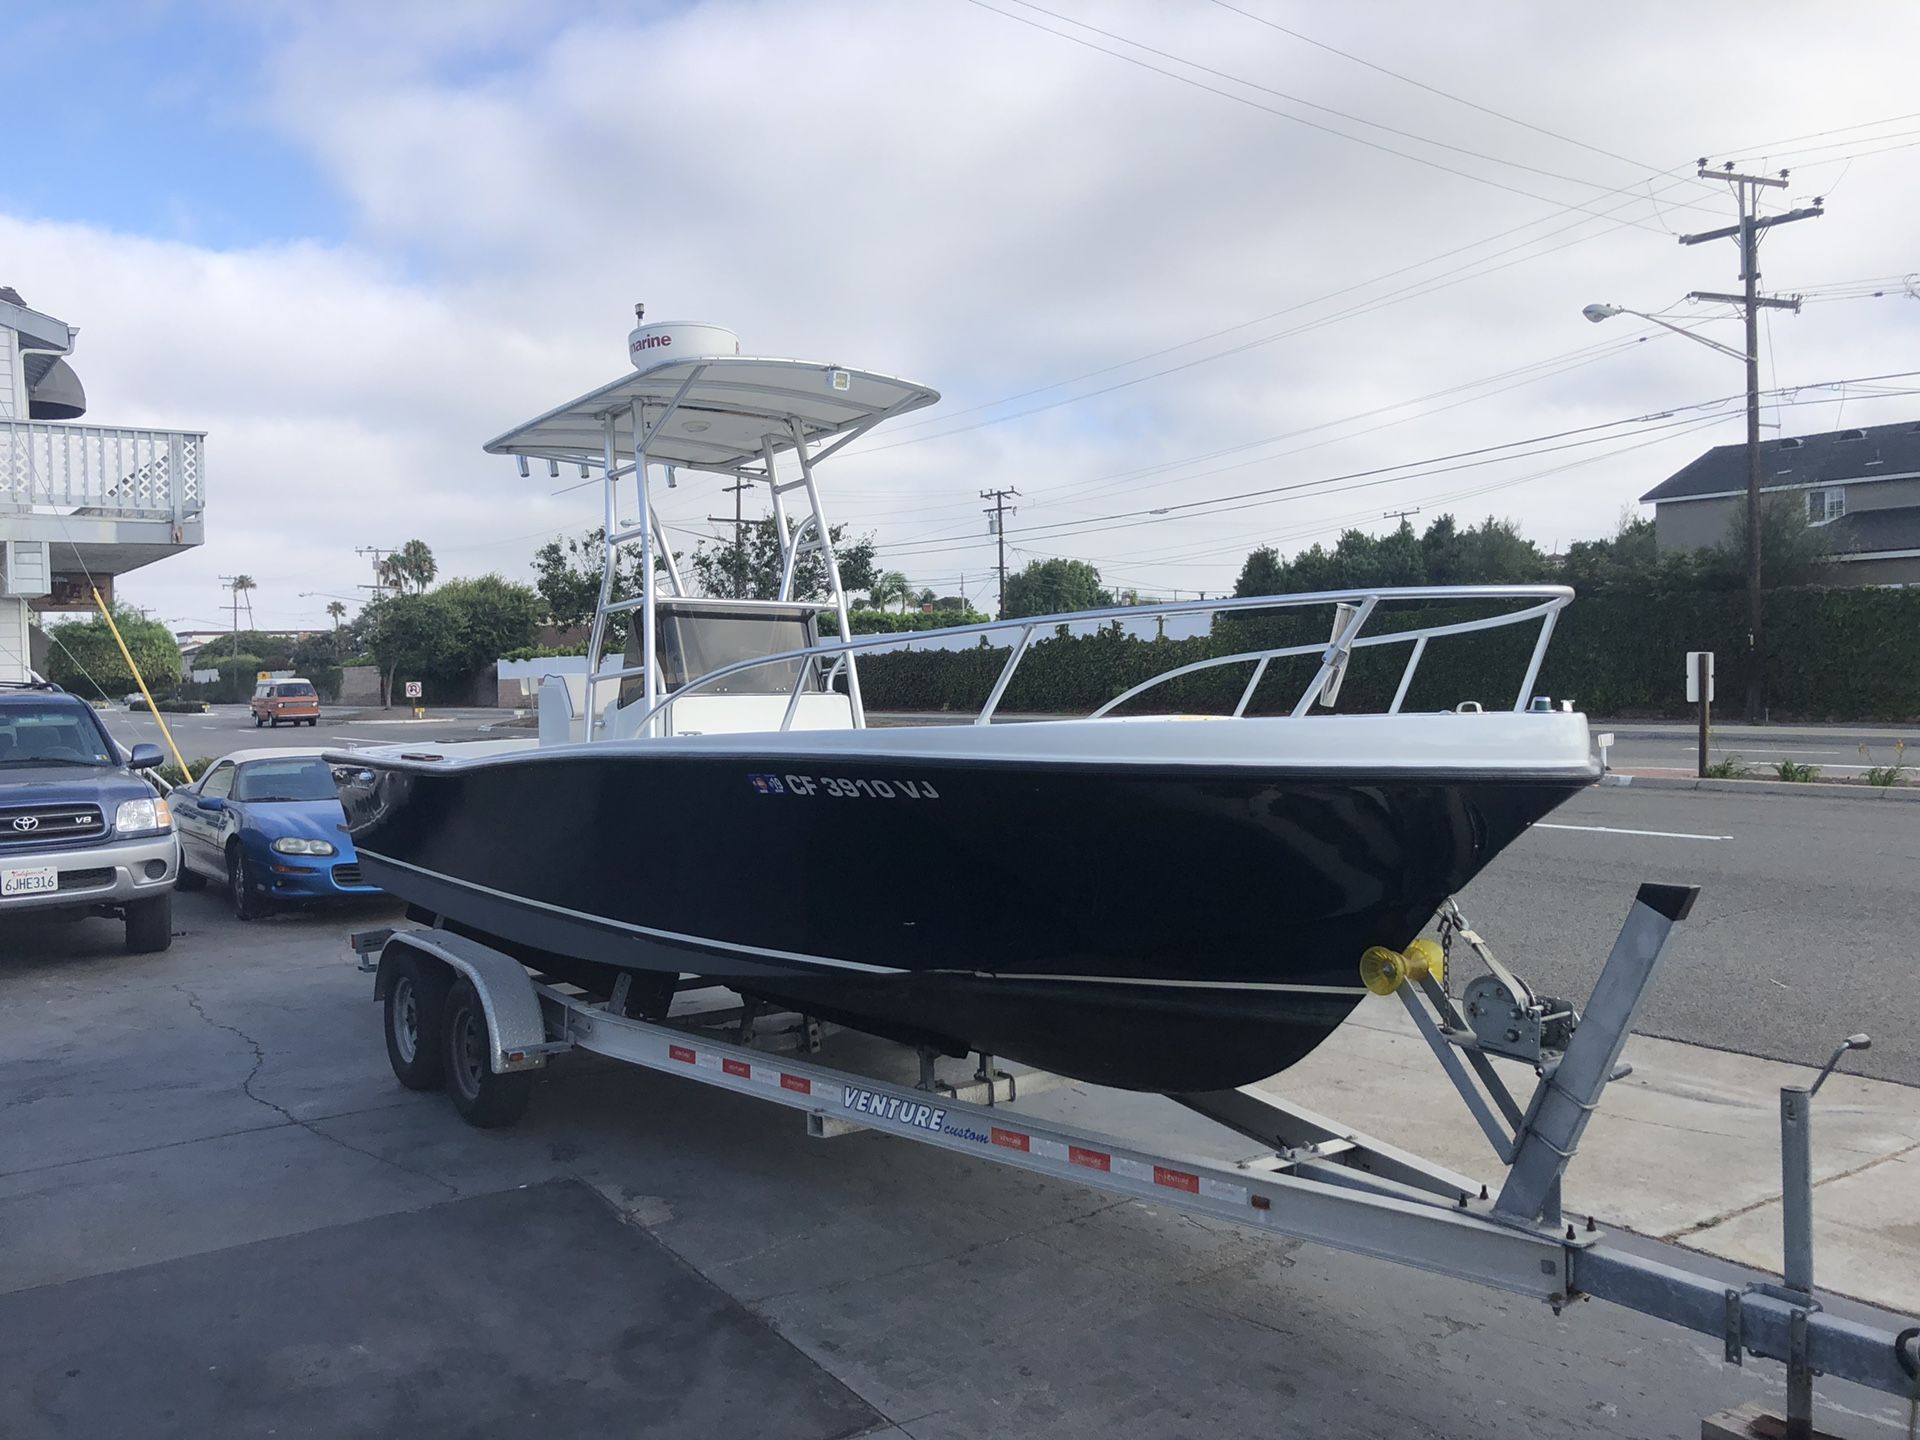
41 880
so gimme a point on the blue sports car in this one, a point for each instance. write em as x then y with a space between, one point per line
269 824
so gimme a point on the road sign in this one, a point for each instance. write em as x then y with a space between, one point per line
1694 657
413 690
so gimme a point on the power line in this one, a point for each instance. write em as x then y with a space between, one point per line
1545 369
1434 89
1382 474
1445 280
1292 99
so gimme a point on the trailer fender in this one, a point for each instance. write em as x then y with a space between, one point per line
516 1026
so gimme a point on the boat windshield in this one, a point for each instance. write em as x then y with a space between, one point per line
697 640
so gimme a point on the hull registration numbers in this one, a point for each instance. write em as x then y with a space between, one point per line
844 788
42 880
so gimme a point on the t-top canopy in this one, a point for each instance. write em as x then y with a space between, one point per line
726 416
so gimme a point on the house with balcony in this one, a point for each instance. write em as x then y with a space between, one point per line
80 504
1860 486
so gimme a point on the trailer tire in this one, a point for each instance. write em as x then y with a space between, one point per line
484 1099
415 1018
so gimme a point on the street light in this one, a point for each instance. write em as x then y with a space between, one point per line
1597 313
1749 357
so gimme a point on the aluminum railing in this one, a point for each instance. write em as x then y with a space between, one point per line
1352 610
109 469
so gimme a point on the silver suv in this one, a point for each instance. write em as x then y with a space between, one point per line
80 828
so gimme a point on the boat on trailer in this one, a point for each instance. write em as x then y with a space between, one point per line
1155 902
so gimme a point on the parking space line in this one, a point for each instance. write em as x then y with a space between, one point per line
1612 830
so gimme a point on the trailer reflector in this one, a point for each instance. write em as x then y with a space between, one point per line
797 1083
1176 1179
1010 1139
737 1067
682 1053
1091 1159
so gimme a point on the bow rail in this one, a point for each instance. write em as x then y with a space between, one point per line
1353 609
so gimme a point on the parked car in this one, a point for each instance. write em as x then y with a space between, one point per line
82 831
294 700
268 824
136 701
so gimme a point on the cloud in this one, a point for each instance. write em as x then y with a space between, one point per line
947 193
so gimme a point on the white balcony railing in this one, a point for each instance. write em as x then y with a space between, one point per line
102 469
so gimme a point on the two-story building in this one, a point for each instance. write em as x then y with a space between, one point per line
79 504
1862 487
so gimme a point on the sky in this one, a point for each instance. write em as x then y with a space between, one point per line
1191 275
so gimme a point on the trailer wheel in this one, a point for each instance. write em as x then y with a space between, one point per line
483 1098
416 1021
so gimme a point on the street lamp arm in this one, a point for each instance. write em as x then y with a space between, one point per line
1602 312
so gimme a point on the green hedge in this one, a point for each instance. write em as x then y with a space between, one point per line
1835 655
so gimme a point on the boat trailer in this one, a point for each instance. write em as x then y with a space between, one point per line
495 1023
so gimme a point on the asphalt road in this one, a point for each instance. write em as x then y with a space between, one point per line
1839 750
1804 932
229 727
220 1215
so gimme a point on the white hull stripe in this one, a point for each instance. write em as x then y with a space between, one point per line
1612 830
609 922
800 959
1263 985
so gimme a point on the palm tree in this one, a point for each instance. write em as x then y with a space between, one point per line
888 585
337 612
412 566
415 561
241 585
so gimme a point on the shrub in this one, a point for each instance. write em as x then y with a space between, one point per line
1793 770
173 775
1886 775
1730 767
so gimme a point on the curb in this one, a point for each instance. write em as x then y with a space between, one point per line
1811 788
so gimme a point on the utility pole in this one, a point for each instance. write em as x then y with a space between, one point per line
739 540
1747 188
1399 514
997 526
233 603
379 586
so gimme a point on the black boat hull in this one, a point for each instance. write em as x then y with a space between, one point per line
1164 927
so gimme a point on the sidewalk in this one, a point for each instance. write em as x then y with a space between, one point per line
1685 1149
1725 731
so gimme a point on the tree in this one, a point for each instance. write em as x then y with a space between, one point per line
1792 552
567 578
412 566
1051 587
885 588
716 573
1263 574
1491 553
1494 552
409 632
336 612
490 616
84 658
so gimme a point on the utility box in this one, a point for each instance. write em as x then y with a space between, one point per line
26 570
